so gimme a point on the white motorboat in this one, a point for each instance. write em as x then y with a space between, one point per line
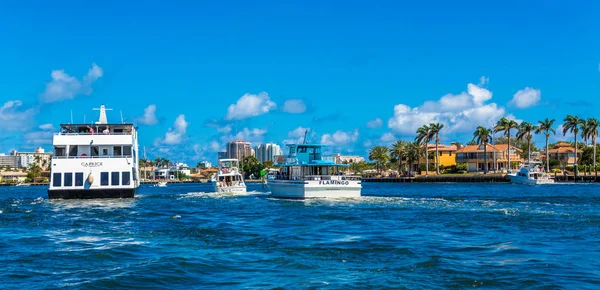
531 173
228 178
161 184
305 173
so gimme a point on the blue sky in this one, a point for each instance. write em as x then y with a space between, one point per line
357 73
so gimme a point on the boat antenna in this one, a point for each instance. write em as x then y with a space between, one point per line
122 122
305 133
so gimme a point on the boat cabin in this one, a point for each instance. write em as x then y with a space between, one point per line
95 141
306 161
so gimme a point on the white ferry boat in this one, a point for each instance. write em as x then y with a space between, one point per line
97 160
228 178
305 173
531 173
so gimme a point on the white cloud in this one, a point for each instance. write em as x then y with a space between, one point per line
484 81
39 137
254 135
367 143
215 146
250 105
177 133
224 130
149 117
375 123
526 98
340 138
297 135
47 126
14 117
387 138
459 113
64 87
294 106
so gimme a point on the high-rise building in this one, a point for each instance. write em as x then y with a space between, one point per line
38 156
10 161
222 155
267 151
239 149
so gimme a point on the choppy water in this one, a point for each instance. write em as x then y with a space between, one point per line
399 235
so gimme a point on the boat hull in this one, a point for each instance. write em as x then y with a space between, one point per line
88 194
315 189
231 189
524 180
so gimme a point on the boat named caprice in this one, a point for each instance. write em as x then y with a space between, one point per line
531 173
228 178
306 173
95 160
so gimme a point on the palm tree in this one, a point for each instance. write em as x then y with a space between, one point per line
572 124
435 128
483 136
158 161
591 132
414 152
505 125
398 151
424 135
525 133
546 128
380 155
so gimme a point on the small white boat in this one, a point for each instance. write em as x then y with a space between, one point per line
23 184
306 173
161 184
229 179
531 173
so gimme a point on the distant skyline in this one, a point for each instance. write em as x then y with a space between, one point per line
196 75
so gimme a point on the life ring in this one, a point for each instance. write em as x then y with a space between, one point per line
83 155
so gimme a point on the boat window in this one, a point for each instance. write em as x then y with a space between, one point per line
311 150
73 151
134 156
68 179
118 131
104 178
126 176
79 179
95 150
114 178
56 179
117 151
104 152
301 149
59 151
127 150
134 173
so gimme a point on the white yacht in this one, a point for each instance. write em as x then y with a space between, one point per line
305 173
228 178
97 160
531 173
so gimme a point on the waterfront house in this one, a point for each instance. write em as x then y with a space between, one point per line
13 176
562 152
497 158
447 155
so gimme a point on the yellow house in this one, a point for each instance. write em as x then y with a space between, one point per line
447 155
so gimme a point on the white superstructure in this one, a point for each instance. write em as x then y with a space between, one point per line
305 173
97 160
228 178
531 173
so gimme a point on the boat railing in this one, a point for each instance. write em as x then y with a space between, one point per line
92 134
316 177
92 157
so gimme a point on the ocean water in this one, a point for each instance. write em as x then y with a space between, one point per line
397 235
